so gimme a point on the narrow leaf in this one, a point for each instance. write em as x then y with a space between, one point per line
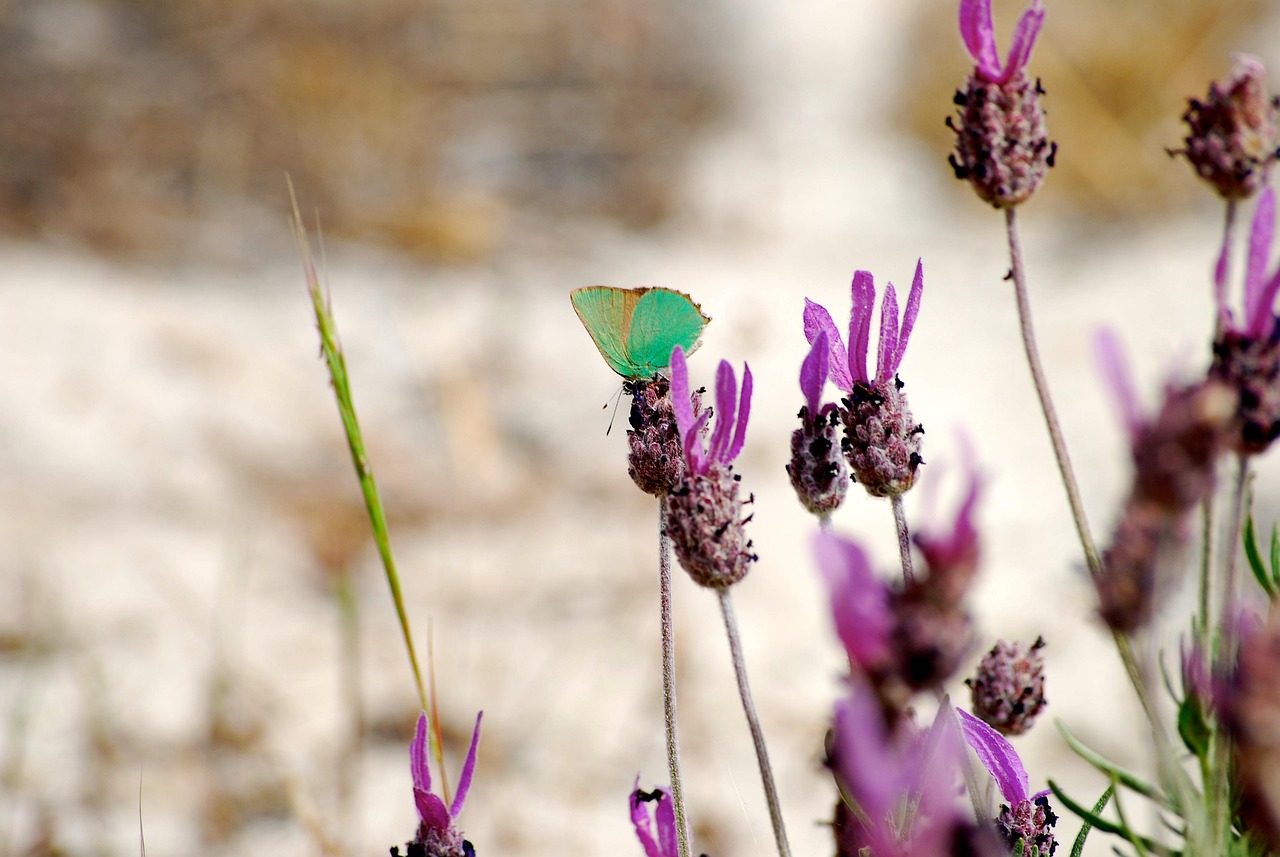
1255 559
1126 778
1077 848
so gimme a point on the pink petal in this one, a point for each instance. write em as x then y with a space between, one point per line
813 373
432 811
859 601
665 820
468 767
864 298
418 756
1115 373
1024 39
695 457
744 411
888 347
680 398
909 317
1264 224
726 406
997 756
641 821
816 319
979 36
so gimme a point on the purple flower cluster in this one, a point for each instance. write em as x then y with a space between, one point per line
881 438
438 834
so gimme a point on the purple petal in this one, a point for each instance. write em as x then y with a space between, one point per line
997 756
813 373
418 757
640 820
868 765
695 457
935 766
665 819
979 36
1264 224
468 767
1220 280
1265 320
1024 39
859 601
432 811
864 298
816 318
726 407
888 347
909 317
744 411
680 399
1115 373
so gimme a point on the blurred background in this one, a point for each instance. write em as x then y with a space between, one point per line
196 643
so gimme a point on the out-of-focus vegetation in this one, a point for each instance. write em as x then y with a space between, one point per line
427 125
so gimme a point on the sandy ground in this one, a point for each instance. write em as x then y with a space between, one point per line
174 479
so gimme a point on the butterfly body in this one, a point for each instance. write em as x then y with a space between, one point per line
636 329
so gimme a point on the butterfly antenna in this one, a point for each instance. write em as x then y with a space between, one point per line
617 399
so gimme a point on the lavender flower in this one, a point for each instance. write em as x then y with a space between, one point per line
881 767
1025 819
1175 456
900 640
1008 687
1232 135
1246 353
881 438
438 834
656 832
817 468
706 521
1002 147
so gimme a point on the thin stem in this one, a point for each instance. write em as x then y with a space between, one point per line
824 522
669 680
1091 556
1228 238
1203 629
336 363
753 722
904 538
1235 525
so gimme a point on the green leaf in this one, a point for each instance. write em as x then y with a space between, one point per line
1124 777
1275 557
1255 560
1193 728
1077 848
1096 820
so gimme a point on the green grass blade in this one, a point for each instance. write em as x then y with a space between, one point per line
335 361
1077 847
1255 559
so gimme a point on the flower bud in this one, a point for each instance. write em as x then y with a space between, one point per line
1008 688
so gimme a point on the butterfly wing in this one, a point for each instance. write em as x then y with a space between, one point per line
606 312
663 319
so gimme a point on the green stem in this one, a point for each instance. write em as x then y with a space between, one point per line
337 366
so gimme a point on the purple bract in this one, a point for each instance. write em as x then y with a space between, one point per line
980 39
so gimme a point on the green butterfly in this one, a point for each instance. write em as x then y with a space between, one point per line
636 329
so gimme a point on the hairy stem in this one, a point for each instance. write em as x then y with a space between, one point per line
1091 557
753 722
904 538
669 680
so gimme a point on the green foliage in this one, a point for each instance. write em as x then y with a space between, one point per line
1268 577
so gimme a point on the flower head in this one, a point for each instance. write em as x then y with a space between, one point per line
1232 135
706 521
656 460
881 438
1008 687
656 831
438 835
1002 147
817 468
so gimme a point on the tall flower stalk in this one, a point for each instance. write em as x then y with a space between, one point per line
707 527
